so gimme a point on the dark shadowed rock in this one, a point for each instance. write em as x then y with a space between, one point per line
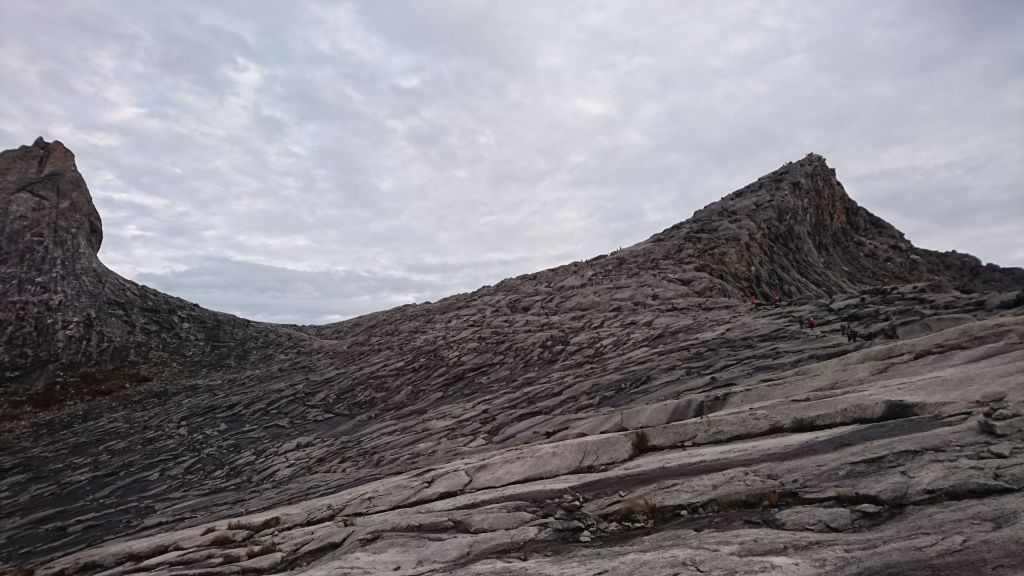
628 414
72 328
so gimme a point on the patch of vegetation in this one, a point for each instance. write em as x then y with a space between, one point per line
221 540
641 443
257 551
26 571
637 510
348 521
803 424
265 524
83 384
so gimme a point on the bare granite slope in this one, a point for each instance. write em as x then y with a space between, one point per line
628 414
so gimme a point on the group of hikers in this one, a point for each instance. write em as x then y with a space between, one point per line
810 323
775 300
844 329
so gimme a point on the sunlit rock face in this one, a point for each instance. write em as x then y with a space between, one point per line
634 413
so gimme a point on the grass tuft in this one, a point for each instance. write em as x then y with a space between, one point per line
265 524
257 551
221 540
637 510
641 443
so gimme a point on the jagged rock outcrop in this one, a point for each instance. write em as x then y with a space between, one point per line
70 326
795 232
629 413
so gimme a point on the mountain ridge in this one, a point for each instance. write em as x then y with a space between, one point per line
791 233
915 264
633 405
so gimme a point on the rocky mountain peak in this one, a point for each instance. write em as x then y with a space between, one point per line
72 327
45 205
796 232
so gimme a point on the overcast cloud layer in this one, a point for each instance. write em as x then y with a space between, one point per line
307 161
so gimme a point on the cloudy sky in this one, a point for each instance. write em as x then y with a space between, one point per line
311 161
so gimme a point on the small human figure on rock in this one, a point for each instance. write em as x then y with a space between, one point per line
851 335
844 329
811 323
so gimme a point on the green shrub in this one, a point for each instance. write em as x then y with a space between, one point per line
639 510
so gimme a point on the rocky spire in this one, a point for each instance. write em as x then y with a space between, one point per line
45 205
71 325
796 232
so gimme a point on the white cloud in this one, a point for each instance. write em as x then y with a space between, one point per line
593 106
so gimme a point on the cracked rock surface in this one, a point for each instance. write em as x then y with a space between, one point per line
632 414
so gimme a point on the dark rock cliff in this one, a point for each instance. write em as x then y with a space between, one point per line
69 326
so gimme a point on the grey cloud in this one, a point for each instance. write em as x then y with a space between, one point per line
276 294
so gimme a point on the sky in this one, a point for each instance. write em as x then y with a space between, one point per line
306 162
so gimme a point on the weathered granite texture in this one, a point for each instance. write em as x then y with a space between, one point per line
69 326
796 232
631 414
